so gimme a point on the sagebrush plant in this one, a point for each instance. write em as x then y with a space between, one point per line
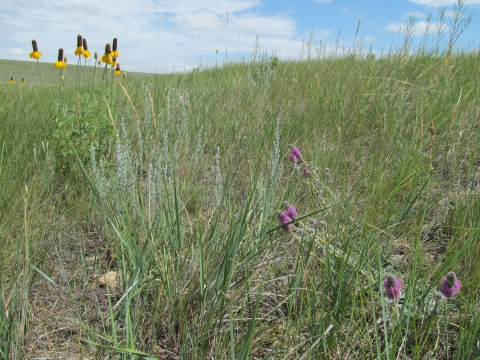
219 240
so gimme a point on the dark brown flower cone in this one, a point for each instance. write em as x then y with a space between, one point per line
34 45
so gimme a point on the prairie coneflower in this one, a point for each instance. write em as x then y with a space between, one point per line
23 81
392 285
11 80
86 52
115 52
450 285
60 64
79 49
107 56
117 70
35 54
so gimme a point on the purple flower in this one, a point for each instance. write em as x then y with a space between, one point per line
392 285
293 158
290 210
450 285
296 152
284 219
306 171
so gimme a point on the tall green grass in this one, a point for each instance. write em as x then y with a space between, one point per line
174 188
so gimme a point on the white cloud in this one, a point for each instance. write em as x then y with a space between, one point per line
323 1
345 10
177 33
14 51
437 3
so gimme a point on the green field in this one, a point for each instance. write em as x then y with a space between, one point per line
140 215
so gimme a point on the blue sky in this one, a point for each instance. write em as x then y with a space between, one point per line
165 36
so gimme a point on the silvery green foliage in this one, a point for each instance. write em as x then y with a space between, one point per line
276 166
218 181
35 155
96 172
198 153
49 157
147 156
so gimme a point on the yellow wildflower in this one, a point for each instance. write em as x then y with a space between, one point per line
35 54
86 52
11 80
117 70
79 50
115 53
60 64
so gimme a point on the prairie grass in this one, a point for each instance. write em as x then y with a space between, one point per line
139 217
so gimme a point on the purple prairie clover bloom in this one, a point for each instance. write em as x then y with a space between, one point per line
290 210
450 285
284 219
296 152
305 171
293 158
392 285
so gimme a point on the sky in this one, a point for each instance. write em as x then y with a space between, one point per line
164 36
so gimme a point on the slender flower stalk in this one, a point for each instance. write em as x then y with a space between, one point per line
35 54
86 54
107 59
79 53
62 65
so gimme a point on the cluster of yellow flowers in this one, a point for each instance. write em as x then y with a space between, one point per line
109 57
11 81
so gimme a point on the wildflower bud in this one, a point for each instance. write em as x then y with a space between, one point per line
450 285
306 171
108 49
34 45
79 40
85 46
95 56
114 44
60 54
392 285
290 210
65 59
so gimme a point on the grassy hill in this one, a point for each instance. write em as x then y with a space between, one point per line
152 214
47 74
